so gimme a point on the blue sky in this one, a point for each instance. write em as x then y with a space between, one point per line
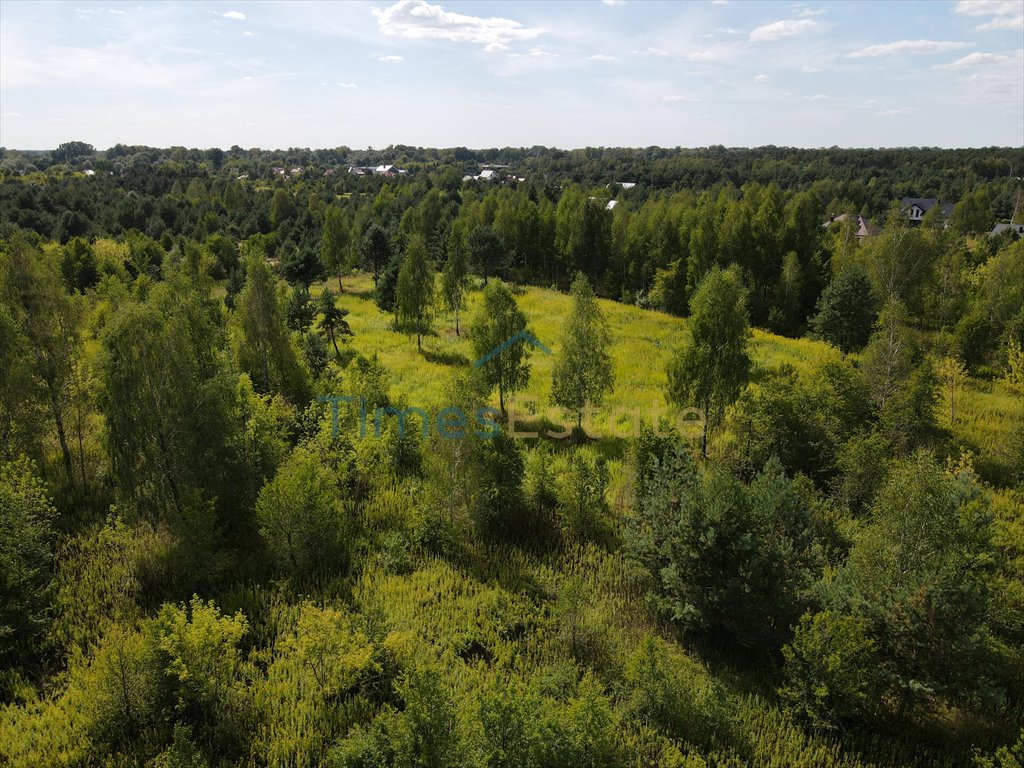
585 73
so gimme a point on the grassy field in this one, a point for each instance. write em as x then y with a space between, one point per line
643 341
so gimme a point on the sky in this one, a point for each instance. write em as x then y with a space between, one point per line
491 74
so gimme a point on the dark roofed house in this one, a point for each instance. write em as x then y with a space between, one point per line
917 207
864 226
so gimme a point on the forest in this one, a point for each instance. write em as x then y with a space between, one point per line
621 457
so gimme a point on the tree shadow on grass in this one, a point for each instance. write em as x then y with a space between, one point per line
444 358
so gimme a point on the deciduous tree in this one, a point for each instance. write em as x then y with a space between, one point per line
583 366
712 366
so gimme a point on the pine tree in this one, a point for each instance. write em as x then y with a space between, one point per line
333 320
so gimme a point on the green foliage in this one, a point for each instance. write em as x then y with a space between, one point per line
498 477
498 321
200 656
48 320
582 373
780 419
264 347
846 312
917 575
725 558
375 250
303 519
670 690
466 602
333 319
300 310
455 281
414 292
334 243
486 252
582 509
167 395
78 265
709 370
26 552
832 670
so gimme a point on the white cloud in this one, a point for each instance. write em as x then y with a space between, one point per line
1002 22
13 114
657 52
780 29
614 2
974 59
993 77
604 57
236 15
347 85
533 53
700 56
418 19
807 69
900 111
730 31
908 47
679 98
391 59
761 78
804 10
988 7
817 97
1006 14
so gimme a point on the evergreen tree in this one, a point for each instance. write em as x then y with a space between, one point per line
846 311
333 319
375 251
300 309
27 537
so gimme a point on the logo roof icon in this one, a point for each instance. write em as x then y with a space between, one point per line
521 336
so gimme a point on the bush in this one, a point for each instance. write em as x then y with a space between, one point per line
307 527
832 670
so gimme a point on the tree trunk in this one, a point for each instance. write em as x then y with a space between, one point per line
58 418
340 289
704 439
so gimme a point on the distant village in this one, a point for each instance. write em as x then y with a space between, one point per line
915 209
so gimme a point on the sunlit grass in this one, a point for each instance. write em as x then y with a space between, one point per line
643 341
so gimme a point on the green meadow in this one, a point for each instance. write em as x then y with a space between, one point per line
986 412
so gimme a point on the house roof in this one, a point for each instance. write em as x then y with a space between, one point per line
998 229
926 204
865 227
